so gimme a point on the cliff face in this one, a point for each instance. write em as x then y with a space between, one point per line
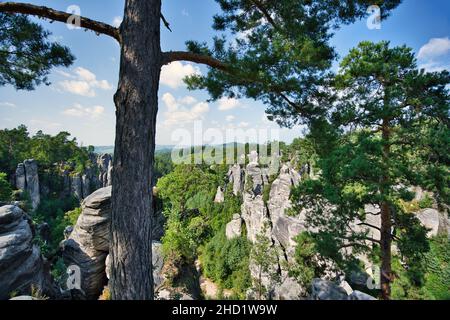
80 185
268 217
87 247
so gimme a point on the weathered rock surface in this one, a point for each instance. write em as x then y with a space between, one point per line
358 295
20 177
236 178
220 197
27 179
234 227
327 290
431 219
21 264
88 245
104 163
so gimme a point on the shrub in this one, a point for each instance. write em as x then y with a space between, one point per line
5 188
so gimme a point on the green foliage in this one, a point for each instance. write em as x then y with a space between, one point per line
434 282
58 213
382 125
26 54
264 256
16 145
5 188
426 202
280 61
306 266
226 262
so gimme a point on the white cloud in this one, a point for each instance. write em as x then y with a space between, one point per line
173 74
79 111
83 82
434 48
226 104
7 104
178 112
117 21
243 124
81 88
230 118
189 100
433 66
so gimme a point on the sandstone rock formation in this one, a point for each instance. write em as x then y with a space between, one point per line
234 227
21 264
220 197
104 163
236 178
27 179
88 245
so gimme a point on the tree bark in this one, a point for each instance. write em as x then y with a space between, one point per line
136 107
386 223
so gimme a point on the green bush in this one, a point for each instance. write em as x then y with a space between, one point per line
426 202
226 262
434 283
5 188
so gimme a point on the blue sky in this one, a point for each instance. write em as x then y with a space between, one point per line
80 98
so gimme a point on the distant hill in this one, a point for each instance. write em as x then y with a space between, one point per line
110 149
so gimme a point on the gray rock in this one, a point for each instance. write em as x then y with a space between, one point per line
254 212
109 175
86 185
20 177
21 264
327 290
88 244
236 178
220 197
158 262
234 227
32 182
358 295
77 186
430 218
104 163
289 289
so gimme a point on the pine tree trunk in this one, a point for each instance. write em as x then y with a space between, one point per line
386 223
136 107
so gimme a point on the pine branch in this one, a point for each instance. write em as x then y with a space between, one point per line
166 23
55 15
172 56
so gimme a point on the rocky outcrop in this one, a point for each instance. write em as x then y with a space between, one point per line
437 222
27 179
77 186
88 243
236 178
21 180
256 217
234 227
327 290
104 163
22 268
220 197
